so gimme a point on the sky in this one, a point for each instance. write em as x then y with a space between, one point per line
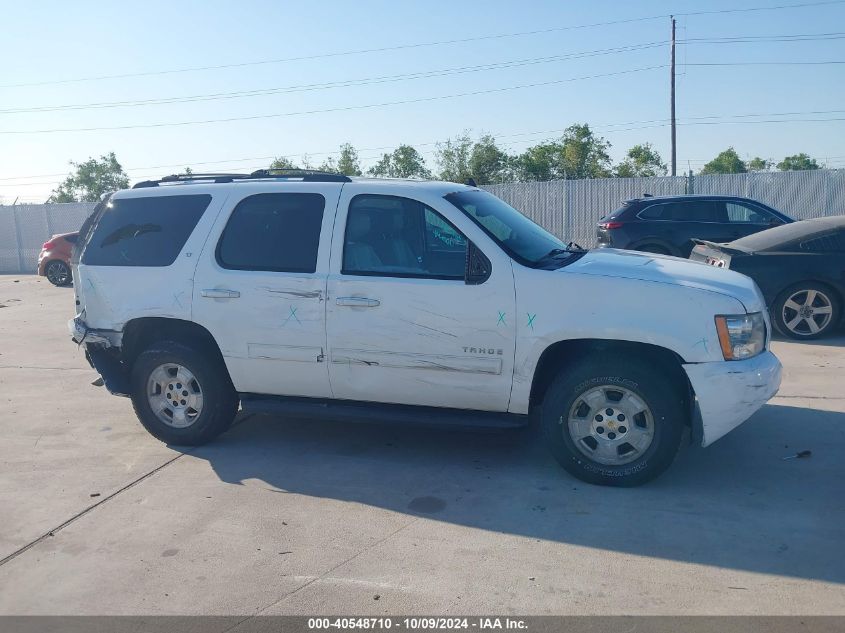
544 65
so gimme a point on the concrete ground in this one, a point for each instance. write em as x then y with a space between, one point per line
291 517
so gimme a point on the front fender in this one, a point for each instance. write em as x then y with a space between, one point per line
568 307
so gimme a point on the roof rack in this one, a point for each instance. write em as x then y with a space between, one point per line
305 175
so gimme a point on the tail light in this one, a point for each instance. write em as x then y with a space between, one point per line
611 225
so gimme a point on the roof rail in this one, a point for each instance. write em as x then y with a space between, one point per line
306 175
216 177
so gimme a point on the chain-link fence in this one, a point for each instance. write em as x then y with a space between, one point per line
567 208
25 227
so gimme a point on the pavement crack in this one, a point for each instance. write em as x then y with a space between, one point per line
79 515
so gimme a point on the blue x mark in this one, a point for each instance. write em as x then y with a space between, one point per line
531 318
293 316
501 319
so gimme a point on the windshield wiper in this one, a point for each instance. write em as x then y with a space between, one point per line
572 247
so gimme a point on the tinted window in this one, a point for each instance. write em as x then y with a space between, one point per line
148 231
684 211
830 243
273 231
398 237
746 214
657 212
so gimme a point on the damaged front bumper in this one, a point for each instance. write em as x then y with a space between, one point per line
103 351
728 393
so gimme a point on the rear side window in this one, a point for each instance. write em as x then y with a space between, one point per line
277 232
149 231
656 212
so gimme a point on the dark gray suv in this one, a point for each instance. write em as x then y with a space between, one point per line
668 224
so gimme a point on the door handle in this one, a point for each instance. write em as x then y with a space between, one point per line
358 302
220 293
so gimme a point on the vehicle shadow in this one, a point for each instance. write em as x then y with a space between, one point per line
736 504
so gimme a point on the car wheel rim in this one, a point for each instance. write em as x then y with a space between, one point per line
610 425
174 395
807 312
57 273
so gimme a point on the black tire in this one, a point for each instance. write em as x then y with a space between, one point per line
58 273
802 331
663 393
653 248
219 399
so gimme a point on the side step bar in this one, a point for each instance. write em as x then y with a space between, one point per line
379 413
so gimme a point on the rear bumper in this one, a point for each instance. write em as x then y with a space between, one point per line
729 392
103 351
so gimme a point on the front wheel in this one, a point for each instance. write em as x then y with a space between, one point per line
181 394
614 421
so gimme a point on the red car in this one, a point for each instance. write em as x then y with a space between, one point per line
54 260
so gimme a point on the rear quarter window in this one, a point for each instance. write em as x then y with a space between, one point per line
830 243
148 231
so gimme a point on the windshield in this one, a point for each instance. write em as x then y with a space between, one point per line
520 238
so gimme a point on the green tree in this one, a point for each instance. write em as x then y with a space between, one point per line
641 161
91 180
798 162
453 156
758 164
579 153
348 163
282 162
727 162
403 162
488 163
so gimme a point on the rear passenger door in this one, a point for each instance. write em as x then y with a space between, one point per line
260 287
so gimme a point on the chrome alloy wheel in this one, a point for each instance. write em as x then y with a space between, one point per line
57 273
174 395
610 425
807 312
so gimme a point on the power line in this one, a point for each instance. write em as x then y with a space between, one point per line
329 110
339 84
171 71
634 125
383 49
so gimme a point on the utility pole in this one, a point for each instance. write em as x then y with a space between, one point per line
672 98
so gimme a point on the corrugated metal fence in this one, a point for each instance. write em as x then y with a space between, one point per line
568 208
571 208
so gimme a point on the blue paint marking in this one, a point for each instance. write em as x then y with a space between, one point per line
501 319
703 342
293 316
531 318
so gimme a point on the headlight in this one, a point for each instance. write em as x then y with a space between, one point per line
741 336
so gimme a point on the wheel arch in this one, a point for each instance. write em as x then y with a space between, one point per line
654 241
140 333
557 356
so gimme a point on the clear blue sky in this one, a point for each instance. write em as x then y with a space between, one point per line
55 41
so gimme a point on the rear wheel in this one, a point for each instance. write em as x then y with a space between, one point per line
182 395
58 273
614 421
806 311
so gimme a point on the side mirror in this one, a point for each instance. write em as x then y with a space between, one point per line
477 266
775 222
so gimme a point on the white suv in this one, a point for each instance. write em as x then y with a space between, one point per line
309 293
